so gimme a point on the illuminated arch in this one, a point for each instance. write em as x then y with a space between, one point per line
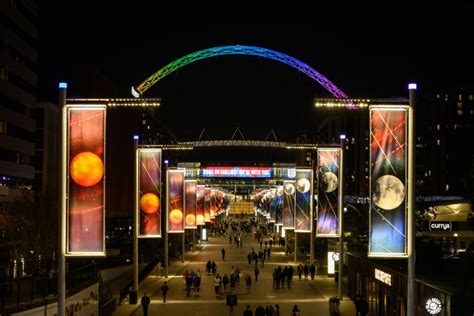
238 50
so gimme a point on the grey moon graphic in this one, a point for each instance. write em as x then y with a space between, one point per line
329 182
303 185
389 192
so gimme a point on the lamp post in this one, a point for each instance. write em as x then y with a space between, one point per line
341 206
411 201
166 229
61 203
136 224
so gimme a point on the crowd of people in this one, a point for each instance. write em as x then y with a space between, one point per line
227 282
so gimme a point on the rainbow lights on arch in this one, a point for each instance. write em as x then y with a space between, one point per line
238 50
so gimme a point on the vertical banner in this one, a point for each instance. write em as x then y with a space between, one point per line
149 192
200 205
279 205
388 181
329 206
175 189
85 172
213 206
304 186
289 204
190 206
207 204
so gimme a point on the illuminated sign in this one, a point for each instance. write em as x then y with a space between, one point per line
383 277
433 306
441 226
237 172
331 262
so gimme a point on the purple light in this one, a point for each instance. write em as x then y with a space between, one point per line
63 85
343 136
136 137
412 86
166 161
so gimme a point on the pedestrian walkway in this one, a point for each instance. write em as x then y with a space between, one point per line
311 296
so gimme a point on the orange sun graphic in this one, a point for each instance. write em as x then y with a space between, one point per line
87 169
149 203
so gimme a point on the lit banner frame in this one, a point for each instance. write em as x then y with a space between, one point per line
83 188
304 200
289 204
388 205
175 199
279 206
190 204
200 205
329 211
207 205
148 173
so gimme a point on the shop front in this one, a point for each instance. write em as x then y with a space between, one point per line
383 290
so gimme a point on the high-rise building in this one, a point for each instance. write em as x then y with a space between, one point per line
445 150
18 90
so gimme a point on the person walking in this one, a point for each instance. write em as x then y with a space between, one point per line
305 271
223 254
248 282
145 302
312 270
248 311
164 291
249 258
260 311
300 270
295 311
256 273
268 310
276 311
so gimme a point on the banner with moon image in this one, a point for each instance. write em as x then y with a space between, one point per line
207 204
303 216
289 202
149 192
190 204
279 205
329 208
85 172
388 182
175 189
200 205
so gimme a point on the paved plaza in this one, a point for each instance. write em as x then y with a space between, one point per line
311 296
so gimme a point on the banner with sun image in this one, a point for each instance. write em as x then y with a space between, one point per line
175 189
190 205
207 204
289 204
85 172
200 205
388 182
329 207
303 216
149 192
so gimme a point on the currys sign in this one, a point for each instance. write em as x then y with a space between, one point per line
441 226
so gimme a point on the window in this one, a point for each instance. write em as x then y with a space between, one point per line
447 187
438 142
3 127
438 127
3 73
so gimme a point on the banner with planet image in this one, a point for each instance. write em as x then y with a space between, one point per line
388 182
200 205
207 204
329 208
303 216
85 190
289 203
149 192
175 189
190 204
279 205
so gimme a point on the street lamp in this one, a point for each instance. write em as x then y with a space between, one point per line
342 139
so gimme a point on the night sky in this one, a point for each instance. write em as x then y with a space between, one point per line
366 53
